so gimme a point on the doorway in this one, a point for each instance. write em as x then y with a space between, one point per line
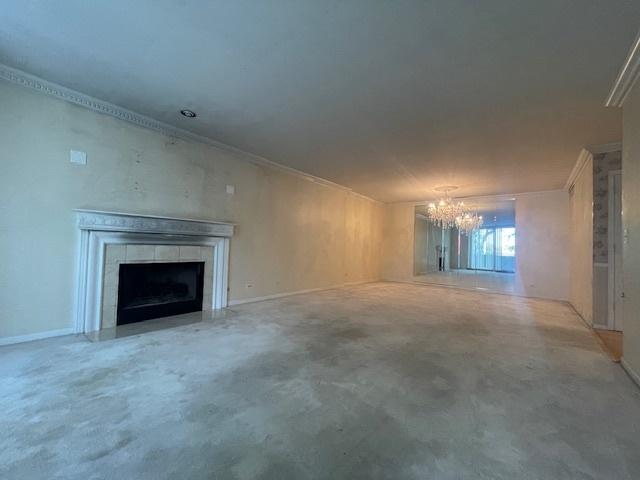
616 292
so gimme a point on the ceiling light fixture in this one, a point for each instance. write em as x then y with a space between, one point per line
445 212
188 113
469 222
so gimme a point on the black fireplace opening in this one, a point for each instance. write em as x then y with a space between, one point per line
155 290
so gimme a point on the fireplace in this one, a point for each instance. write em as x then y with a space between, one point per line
155 290
110 240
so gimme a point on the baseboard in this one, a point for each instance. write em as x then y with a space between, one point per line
473 289
297 292
630 371
69 331
36 336
592 329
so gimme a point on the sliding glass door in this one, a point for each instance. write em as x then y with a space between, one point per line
493 249
482 249
505 249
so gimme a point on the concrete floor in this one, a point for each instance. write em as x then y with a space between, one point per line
392 381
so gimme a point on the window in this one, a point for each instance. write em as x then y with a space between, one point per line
493 249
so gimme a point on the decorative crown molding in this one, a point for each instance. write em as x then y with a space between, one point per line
18 77
584 158
605 148
627 76
130 222
587 154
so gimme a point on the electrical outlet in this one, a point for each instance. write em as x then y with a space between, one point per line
77 157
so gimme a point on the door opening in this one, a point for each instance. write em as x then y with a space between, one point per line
616 292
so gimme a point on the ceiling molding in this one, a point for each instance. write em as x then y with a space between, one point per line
587 154
18 77
627 76
605 148
498 197
583 159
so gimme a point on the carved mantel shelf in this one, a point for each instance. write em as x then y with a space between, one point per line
129 222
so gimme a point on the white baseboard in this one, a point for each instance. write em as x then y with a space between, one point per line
630 371
297 292
36 336
473 289
69 331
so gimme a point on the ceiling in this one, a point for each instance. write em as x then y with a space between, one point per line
388 98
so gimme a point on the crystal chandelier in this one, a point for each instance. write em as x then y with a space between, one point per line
446 211
468 222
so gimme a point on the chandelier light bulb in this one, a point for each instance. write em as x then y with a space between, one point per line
469 222
445 213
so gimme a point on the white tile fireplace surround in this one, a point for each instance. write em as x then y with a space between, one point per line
109 239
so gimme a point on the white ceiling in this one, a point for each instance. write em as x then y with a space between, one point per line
390 98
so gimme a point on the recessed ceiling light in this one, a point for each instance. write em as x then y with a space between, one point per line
188 113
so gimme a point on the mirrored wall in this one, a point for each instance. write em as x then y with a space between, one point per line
483 258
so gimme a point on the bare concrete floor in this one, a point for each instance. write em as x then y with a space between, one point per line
383 380
494 281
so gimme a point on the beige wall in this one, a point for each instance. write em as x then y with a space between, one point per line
398 242
542 237
292 234
420 245
631 225
581 243
542 223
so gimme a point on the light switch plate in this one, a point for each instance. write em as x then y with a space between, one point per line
231 189
78 157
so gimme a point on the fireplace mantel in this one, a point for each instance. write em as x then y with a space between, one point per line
99 229
130 222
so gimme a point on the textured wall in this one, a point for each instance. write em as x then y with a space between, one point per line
420 258
542 236
631 223
580 245
398 241
292 234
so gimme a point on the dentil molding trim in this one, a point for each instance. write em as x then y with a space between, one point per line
18 77
129 222
627 76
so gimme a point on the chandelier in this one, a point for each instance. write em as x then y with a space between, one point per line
468 222
446 211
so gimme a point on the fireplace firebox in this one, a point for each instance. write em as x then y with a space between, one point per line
155 290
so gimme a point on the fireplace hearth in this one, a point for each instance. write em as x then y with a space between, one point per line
155 290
